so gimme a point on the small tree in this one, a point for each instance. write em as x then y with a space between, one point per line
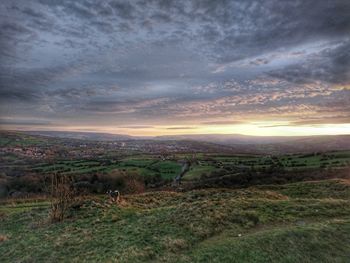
62 196
134 183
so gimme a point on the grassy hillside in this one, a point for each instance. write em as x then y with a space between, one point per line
300 222
17 139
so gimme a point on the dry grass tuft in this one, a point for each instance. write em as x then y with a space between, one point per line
3 238
175 244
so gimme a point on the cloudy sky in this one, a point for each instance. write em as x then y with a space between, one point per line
149 67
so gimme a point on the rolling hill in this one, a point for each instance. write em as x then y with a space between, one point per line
231 142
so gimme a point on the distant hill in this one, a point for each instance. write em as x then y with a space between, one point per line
316 143
233 142
271 144
229 138
94 136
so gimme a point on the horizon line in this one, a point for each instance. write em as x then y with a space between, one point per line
168 135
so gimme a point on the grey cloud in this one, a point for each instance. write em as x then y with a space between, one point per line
331 65
259 61
29 122
229 30
104 26
320 121
137 127
171 58
14 28
310 121
123 9
181 128
34 13
226 122
161 17
281 24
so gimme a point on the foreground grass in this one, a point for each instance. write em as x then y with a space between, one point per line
266 224
319 242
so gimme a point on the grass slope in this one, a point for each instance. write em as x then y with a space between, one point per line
285 223
320 242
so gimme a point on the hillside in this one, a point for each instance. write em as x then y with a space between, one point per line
317 143
229 138
272 144
227 142
93 136
300 222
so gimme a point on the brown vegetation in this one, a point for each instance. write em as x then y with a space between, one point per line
62 197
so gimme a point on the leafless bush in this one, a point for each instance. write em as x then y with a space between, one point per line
125 181
134 183
62 196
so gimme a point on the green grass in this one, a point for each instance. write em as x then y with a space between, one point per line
20 140
137 162
319 189
197 171
202 164
77 167
146 167
288 162
319 242
303 222
167 169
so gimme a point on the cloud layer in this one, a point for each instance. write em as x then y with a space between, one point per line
145 63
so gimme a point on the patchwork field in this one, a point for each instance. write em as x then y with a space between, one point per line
301 222
209 164
200 164
146 166
292 161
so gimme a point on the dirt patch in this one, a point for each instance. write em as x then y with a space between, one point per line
3 238
345 181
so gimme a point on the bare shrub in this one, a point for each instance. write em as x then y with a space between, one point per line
62 196
125 181
134 185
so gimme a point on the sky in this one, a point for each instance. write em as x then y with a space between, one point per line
152 67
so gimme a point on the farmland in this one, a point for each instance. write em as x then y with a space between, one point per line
177 205
201 164
159 169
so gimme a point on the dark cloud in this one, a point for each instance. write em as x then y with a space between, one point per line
13 29
331 65
123 9
29 83
34 13
320 121
151 59
259 61
27 122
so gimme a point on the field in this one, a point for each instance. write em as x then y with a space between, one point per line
228 164
289 162
200 164
23 154
145 166
204 170
227 207
300 222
